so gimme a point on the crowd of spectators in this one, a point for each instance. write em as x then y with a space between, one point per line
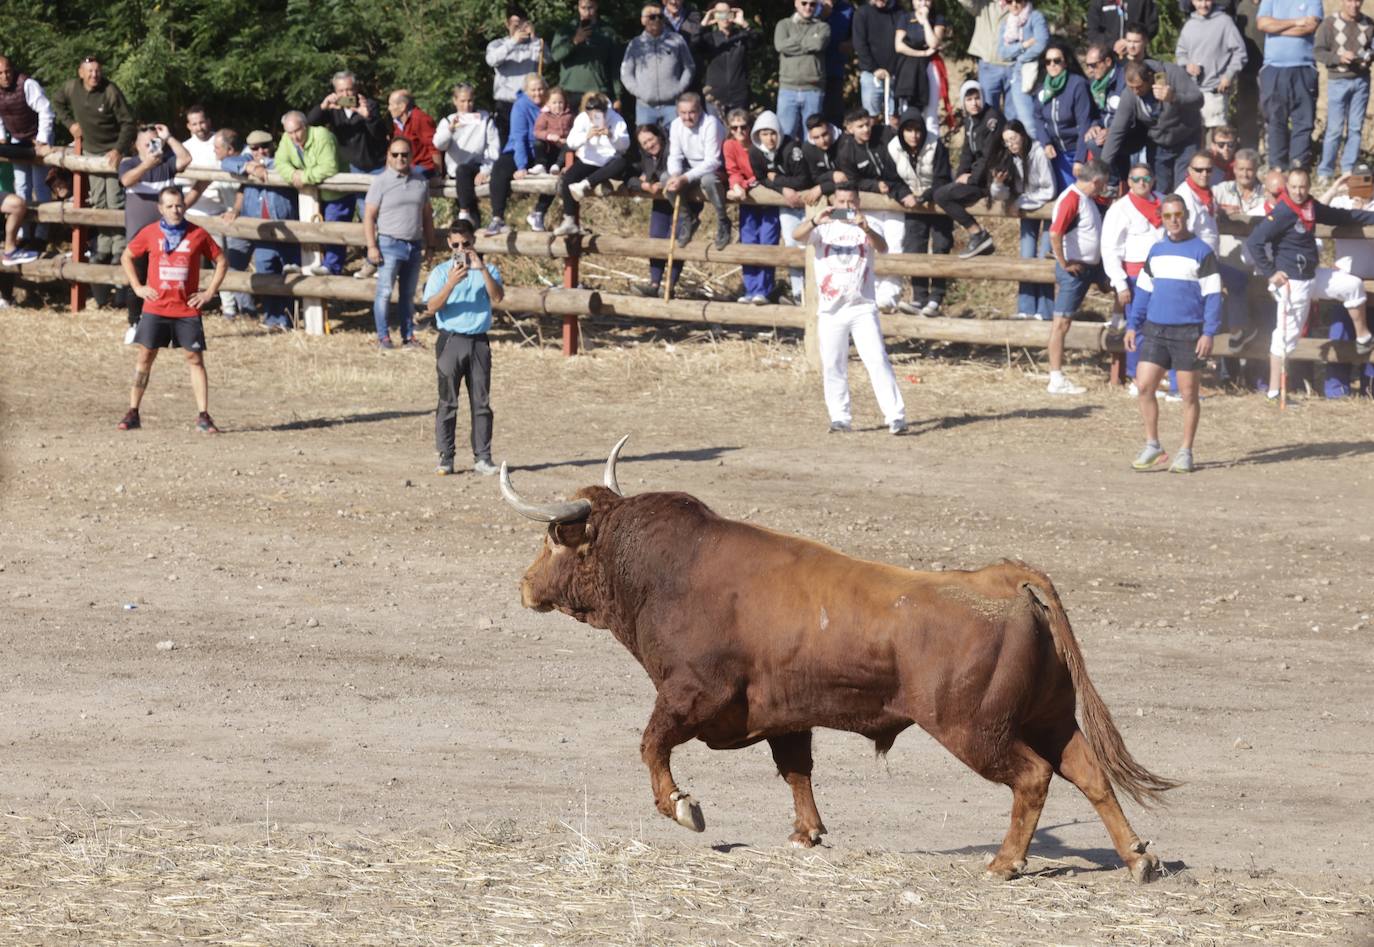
1042 124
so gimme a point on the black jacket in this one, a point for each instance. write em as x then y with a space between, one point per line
787 167
820 166
1107 21
940 172
869 165
874 36
979 133
1279 243
727 65
362 142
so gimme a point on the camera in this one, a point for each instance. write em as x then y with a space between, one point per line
346 101
722 15
1161 78
155 146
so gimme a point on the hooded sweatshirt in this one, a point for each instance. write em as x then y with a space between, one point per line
781 167
1214 43
1173 124
510 61
925 167
657 69
868 164
468 138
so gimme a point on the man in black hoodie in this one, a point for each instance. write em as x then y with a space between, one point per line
725 45
982 126
864 160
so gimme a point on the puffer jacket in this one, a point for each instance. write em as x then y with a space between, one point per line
924 168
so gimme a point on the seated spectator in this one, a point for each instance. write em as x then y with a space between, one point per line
1030 184
513 59
725 49
1163 118
922 163
15 210
257 201
821 176
648 179
1353 191
1076 238
306 155
1024 37
875 45
159 157
1212 51
972 179
739 174
775 163
598 136
26 120
868 166
1344 43
417 127
921 80
519 157
471 144
657 68
588 56
694 157
1064 107
1108 23
1131 226
551 131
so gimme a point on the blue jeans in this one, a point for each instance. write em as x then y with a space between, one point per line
1346 100
338 211
239 252
30 183
759 226
1021 105
995 79
1035 299
400 264
795 106
660 115
871 95
268 260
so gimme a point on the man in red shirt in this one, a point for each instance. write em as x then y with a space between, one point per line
172 299
415 126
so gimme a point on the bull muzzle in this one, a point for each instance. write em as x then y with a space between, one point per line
568 511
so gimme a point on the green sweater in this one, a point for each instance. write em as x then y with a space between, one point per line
593 66
801 52
319 160
107 123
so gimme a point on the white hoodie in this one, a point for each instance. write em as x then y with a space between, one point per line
601 149
467 137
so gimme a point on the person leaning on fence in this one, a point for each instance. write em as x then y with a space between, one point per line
172 299
646 179
306 155
206 199
158 159
1344 43
362 129
1130 227
258 202
1174 316
1284 249
470 143
1023 178
1076 239
513 59
657 68
694 157
864 159
725 49
1241 196
775 164
1354 191
399 226
93 109
416 126
519 155
598 137
26 119
15 210
459 294
1221 147
982 130
845 244
922 164
817 168
1212 51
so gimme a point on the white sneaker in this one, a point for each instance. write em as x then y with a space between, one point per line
1023 315
579 190
537 169
759 300
931 308
317 269
568 227
1062 386
291 268
745 300
1134 391
129 334
535 221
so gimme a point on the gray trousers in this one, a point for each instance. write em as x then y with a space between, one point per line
460 358
108 194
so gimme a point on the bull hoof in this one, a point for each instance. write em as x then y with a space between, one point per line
1145 869
687 813
801 839
1002 871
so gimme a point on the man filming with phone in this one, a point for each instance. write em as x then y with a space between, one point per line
588 56
846 243
459 295
157 159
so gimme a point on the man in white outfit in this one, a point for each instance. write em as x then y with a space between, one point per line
846 243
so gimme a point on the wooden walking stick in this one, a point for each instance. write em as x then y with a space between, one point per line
887 101
672 246
540 68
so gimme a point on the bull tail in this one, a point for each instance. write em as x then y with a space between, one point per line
1125 773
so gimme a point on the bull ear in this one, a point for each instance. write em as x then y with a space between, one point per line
570 534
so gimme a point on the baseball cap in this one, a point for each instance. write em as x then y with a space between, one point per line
259 138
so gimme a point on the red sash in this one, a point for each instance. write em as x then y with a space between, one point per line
1307 213
1203 194
1149 209
939 63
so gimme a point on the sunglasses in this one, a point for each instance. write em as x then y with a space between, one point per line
1207 170
738 128
460 246
1174 215
1054 60
1094 64
259 147
653 16
1138 178
400 154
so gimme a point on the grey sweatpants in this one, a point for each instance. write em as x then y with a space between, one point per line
460 358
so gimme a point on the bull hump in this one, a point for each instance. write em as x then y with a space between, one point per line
994 609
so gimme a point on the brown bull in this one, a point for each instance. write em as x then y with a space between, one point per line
752 635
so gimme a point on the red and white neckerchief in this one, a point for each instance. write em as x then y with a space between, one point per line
1307 211
1148 207
1203 194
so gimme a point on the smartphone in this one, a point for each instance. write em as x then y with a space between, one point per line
1161 78
155 146
346 101
584 24
722 16
841 213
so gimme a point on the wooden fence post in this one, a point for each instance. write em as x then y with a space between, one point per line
811 302
570 278
81 236
312 308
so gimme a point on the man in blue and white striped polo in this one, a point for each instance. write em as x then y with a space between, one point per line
1174 315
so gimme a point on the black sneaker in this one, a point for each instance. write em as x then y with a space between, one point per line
204 424
723 235
685 229
130 421
1241 338
445 468
979 243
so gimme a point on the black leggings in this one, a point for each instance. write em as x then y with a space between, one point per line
926 233
617 167
954 200
502 173
466 187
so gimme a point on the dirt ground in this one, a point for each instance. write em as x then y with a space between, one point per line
356 734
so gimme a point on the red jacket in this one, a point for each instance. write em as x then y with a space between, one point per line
418 129
737 167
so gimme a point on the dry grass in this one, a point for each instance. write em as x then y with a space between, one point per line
125 878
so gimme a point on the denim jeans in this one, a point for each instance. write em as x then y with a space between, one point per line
871 95
337 211
994 78
400 264
660 115
1346 100
269 260
30 183
795 106
239 252
1021 105
1035 299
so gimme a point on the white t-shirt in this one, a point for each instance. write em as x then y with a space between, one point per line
218 197
844 266
1354 256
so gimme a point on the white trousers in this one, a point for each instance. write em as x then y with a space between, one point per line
893 228
834 331
789 220
1295 299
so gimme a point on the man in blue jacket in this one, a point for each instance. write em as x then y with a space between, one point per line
256 201
1175 313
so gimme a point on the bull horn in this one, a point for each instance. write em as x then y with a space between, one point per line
565 512
609 479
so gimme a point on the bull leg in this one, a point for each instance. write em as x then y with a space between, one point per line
1028 775
665 731
1079 765
792 753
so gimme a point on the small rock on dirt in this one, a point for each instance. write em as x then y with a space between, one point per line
1242 744
166 645
312 622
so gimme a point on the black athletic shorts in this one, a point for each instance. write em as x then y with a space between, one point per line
158 332
1171 346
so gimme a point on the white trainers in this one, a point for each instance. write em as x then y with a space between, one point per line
1023 315
931 308
129 334
537 169
1134 391
317 269
568 227
1062 386
579 190
535 221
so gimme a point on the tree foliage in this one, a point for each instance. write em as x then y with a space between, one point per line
248 61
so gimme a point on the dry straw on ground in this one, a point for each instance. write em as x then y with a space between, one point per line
106 877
